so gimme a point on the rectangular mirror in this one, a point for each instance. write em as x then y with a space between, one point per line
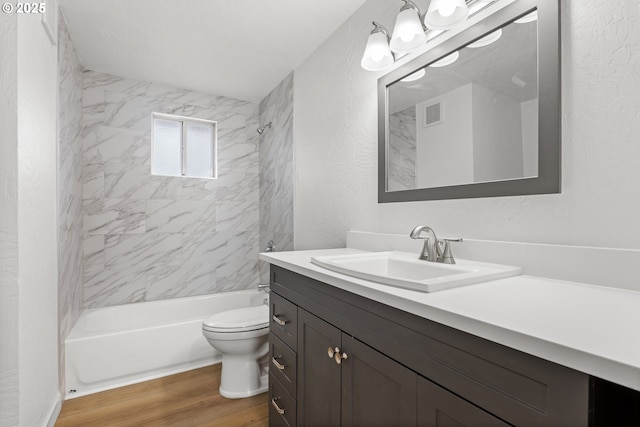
477 116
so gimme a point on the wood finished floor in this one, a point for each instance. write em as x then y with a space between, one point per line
188 399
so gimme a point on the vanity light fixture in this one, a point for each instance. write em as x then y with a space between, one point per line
415 76
377 55
446 14
530 17
486 40
413 30
447 60
408 33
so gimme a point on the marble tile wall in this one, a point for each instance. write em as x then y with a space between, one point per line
402 150
152 237
70 229
276 171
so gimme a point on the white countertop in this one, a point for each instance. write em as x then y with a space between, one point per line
593 329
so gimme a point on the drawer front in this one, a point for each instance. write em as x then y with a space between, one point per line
283 316
282 363
282 407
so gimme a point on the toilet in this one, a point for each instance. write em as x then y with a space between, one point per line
241 336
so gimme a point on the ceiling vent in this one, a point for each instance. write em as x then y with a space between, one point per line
433 114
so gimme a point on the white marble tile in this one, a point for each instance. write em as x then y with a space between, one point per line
134 112
237 274
94 80
123 181
199 189
139 252
93 251
402 150
236 156
113 216
276 168
219 247
188 279
112 286
70 184
237 215
93 181
171 216
115 145
180 248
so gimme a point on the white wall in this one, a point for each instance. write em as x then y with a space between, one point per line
497 136
9 403
335 138
37 222
444 152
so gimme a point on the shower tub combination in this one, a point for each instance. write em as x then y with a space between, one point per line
114 346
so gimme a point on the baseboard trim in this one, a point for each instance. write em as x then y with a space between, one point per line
55 412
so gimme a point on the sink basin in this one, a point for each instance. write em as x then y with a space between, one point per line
405 270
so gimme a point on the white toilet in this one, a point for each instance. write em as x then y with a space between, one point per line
241 336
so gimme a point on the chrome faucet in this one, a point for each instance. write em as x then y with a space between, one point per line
434 249
430 248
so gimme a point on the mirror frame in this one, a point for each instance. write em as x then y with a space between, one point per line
548 180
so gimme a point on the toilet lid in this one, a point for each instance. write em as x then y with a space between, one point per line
239 319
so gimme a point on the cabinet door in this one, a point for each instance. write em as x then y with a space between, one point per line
376 390
318 373
441 408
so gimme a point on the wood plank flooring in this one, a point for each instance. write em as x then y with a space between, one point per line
188 399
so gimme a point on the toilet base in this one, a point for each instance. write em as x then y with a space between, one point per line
263 387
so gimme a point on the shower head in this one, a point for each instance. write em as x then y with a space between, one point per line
262 128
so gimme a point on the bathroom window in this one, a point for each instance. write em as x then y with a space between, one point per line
183 146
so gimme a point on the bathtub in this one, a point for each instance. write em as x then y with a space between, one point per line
115 346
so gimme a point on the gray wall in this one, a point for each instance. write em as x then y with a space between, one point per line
151 237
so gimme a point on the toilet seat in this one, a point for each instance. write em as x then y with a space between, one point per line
238 320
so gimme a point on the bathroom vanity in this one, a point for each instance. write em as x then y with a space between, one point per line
344 357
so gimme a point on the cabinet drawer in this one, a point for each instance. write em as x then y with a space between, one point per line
284 319
282 407
282 363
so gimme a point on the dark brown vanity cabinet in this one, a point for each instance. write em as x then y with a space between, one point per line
348 383
339 359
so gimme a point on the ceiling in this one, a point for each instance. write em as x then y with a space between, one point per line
236 48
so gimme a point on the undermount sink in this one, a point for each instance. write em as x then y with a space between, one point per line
405 270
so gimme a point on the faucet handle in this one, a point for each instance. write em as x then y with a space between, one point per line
447 256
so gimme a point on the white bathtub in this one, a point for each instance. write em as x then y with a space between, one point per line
114 346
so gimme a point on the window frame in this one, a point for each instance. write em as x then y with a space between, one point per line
184 124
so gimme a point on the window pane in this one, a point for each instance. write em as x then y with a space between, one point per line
167 141
199 150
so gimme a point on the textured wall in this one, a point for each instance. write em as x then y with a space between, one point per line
152 237
276 171
70 233
37 222
335 133
9 397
